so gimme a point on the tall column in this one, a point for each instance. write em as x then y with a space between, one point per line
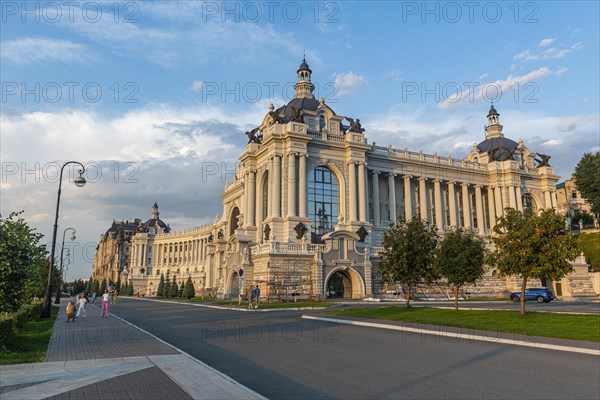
466 206
511 196
362 206
479 210
439 220
352 190
407 198
491 206
277 186
548 199
452 204
302 186
376 210
423 199
553 199
392 197
250 199
291 185
519 197
498 196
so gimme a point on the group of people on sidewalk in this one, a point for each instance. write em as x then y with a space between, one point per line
253 297
106 299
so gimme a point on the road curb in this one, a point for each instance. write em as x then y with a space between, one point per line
480 338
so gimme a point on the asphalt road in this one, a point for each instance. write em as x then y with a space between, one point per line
281 356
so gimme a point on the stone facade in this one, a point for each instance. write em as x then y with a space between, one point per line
305 213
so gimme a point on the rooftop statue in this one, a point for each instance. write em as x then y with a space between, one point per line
544 162
254 136
355 126
297 114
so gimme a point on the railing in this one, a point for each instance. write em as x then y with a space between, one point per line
431 158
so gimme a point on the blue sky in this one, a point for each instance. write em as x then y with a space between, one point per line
413 72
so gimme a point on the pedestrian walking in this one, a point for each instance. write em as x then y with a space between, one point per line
81 306
256 295
115 297
250 294
112 296
105 301
93 297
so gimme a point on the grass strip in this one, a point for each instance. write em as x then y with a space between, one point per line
565 326
30 344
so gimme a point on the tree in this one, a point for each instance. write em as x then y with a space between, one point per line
129 291
408 256
103 286
532 246
167 291
180 291
161 286
23 262
586 176
189 291
173 290
460 258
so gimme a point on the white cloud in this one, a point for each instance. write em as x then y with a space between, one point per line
38 50
197 85
546 42
348 82
552 53
395 74
561 71
492 90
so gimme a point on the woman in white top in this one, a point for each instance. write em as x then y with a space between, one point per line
81 303
105 301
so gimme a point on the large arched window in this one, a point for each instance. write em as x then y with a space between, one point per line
528 202
323 201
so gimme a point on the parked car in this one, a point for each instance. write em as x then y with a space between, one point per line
541 295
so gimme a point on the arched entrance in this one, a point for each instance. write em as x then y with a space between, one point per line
344 283
234 285
339 286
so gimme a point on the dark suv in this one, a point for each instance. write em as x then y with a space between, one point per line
542 295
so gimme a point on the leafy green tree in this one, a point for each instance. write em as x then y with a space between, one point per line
460 258
534 246
22 261
586 176
189 291
408 256
180 291
90 285
130 289
96 286
173 290
161 286
167 291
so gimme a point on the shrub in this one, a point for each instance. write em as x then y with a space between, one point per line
7 328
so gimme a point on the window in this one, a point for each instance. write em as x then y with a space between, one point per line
574 195
323 201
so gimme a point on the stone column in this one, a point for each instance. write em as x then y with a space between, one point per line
352 190
466 206
302 173
452 205
407 198
553 198
277 186
548 199
511 196
491 206
392 197
479 210
362 206
376 210
498 196
291 185
519 197
423 199
250 199
439 214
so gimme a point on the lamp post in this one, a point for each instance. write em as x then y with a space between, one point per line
58 292
79 182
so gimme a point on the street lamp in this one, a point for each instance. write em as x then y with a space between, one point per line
79 182
58 292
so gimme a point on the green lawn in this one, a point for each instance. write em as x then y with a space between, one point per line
29 344
566 326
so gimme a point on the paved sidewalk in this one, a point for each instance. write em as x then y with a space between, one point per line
98 358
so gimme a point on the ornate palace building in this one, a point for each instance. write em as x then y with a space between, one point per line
311 199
